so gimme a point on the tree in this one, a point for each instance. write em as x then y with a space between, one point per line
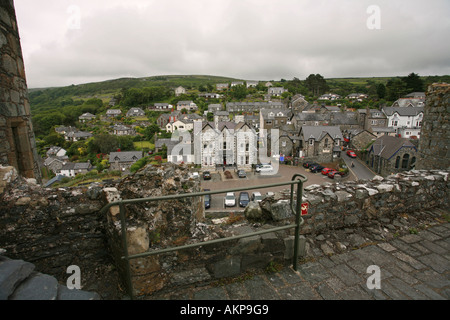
381 91
150 131
395 89
239 92
413 83
316 84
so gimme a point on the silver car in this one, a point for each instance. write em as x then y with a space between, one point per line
230 200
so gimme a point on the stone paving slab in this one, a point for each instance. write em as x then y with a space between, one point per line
412 267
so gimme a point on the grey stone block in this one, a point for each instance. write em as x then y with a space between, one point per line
12 273
37 287
65 293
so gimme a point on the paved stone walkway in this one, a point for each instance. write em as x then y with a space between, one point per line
411 267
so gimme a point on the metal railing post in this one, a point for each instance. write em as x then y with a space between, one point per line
298 218
125 249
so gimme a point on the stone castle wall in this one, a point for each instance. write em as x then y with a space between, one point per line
434 143
17 142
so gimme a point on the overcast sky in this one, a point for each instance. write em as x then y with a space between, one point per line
68 42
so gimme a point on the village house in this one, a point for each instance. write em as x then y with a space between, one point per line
227 143
357 96
329 96
110 113
165 118
54 164
371 119
86 117
179 91
188 105
123 160
237 83
214 107
406 121
359 139
162 106
72 169
389 155
207 95
122 130
251 84
135 112
252 107
77 136
221 86
55 151
298 103
276 91
273 118
320 143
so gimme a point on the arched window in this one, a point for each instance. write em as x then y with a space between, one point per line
397 162
405 161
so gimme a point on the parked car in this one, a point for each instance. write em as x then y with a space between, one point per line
206 175
244 199
325 171
351 153
230 200
333 173
316 168
256 196
242 174
308 164
264 168
207 200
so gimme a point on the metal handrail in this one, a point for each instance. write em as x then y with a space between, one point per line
296 211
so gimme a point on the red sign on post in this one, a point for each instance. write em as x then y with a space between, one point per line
304 211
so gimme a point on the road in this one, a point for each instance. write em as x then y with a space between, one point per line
360 171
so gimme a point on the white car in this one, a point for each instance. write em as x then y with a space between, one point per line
230 200
256 196
264 168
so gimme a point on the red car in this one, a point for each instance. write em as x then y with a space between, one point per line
332 173
325 171
351 154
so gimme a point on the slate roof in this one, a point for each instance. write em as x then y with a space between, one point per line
388 146
125 156
318 132
403 111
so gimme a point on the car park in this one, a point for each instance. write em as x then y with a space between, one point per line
325 171
244 199
256 196
351 153
230 200
242 174
206 175
264 168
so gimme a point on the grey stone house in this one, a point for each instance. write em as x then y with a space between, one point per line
389 155
123 160
320 143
